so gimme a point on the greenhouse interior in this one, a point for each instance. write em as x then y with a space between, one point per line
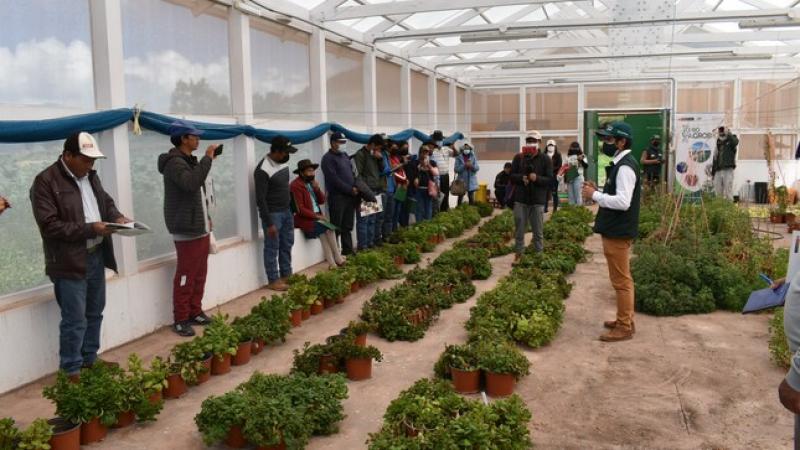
400 224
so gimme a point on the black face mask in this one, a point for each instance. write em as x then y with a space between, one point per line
285 159
609 149
308 179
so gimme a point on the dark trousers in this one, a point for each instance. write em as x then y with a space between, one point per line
444 188
470 198
278 250
342 210
82 303
389 223
500 196
189 283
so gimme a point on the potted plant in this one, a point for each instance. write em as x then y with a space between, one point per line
274 314
357 331
332 286
188 362
94 401
245 346
274 420
221 418
358 360
222 340
463 367
66 434
314 359
9 434
251 328
503 364
138 386
36 437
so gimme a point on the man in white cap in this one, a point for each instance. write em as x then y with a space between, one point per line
72 209
531 177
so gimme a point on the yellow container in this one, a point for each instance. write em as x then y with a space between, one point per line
482 195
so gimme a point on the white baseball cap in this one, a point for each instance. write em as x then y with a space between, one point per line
85 144
551 142
534 135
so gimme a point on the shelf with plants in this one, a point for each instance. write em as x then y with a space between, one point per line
274 410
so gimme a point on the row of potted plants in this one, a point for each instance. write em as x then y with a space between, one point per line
430 415
525 307
35 437
346 352
86 414
274 411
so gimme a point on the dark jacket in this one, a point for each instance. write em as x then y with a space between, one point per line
338 173
557 162
501 180
534 193
304 215
370 169
725 156
184 177
58 210
414 173
653 153
615 223
272 189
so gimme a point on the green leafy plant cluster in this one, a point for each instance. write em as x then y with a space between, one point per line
476 259
35 437
373 265
302 293
98 394
271 409
431 416
339 348
406 250
220 337
704 258
274 408
484 209
187 359
138 384
460 357
331 285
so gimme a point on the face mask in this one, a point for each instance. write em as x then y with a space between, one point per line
530 149
343 148
466 151
308 179
609 149
439 143
284 160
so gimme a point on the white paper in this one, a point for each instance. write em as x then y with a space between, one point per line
129 229
369 208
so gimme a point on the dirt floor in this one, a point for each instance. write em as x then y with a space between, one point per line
692 382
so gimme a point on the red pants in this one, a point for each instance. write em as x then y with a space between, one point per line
190 278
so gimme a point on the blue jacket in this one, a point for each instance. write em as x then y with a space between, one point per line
387 174
469 176
338 173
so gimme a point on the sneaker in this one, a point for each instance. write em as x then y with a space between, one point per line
183 329
201 319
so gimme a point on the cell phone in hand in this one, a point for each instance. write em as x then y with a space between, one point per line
218 150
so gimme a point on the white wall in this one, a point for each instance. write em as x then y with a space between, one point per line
787 173
135 306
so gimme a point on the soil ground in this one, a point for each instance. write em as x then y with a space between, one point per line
691 382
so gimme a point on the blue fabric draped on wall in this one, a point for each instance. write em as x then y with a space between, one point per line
17 131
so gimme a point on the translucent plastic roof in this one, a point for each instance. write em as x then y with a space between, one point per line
515 39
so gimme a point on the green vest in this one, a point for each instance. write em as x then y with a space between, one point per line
615 223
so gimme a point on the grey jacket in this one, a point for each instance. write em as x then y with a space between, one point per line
184 177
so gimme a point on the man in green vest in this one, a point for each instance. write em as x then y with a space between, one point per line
617 221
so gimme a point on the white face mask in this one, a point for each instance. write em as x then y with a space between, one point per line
343 148
466 151
439 144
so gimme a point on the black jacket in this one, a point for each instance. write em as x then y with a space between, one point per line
184 177
534 193
272 189
58 210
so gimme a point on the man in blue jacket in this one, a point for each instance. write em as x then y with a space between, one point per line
343 196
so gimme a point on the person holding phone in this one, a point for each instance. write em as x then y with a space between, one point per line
187 220
273 200
71 209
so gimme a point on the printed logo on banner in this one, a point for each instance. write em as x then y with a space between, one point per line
694 150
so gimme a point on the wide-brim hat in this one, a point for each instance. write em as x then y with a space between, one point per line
304 164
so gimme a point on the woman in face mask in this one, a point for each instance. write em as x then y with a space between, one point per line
466 169
308 216
576 163
555 157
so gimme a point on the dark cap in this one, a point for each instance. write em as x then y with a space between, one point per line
281 143
437 135
338 137
181 128
305 164
376 139
616 129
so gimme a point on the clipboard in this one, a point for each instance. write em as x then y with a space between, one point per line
765 299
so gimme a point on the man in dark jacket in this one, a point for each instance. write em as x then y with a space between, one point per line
343 195
273 199
369 168
724 163
501 182
71 209
617 222
652 159
187 220
532 176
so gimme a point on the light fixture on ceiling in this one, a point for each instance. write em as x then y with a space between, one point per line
532 65
735 57
791 19
280 18
502 35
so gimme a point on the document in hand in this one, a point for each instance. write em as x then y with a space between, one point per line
765 299
129 229
328 225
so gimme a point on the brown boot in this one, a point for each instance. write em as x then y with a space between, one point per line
611 324
278 285
619 333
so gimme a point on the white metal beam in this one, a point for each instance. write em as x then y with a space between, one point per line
415 6
688 38
698 17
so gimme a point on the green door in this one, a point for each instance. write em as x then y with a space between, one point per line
645 124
